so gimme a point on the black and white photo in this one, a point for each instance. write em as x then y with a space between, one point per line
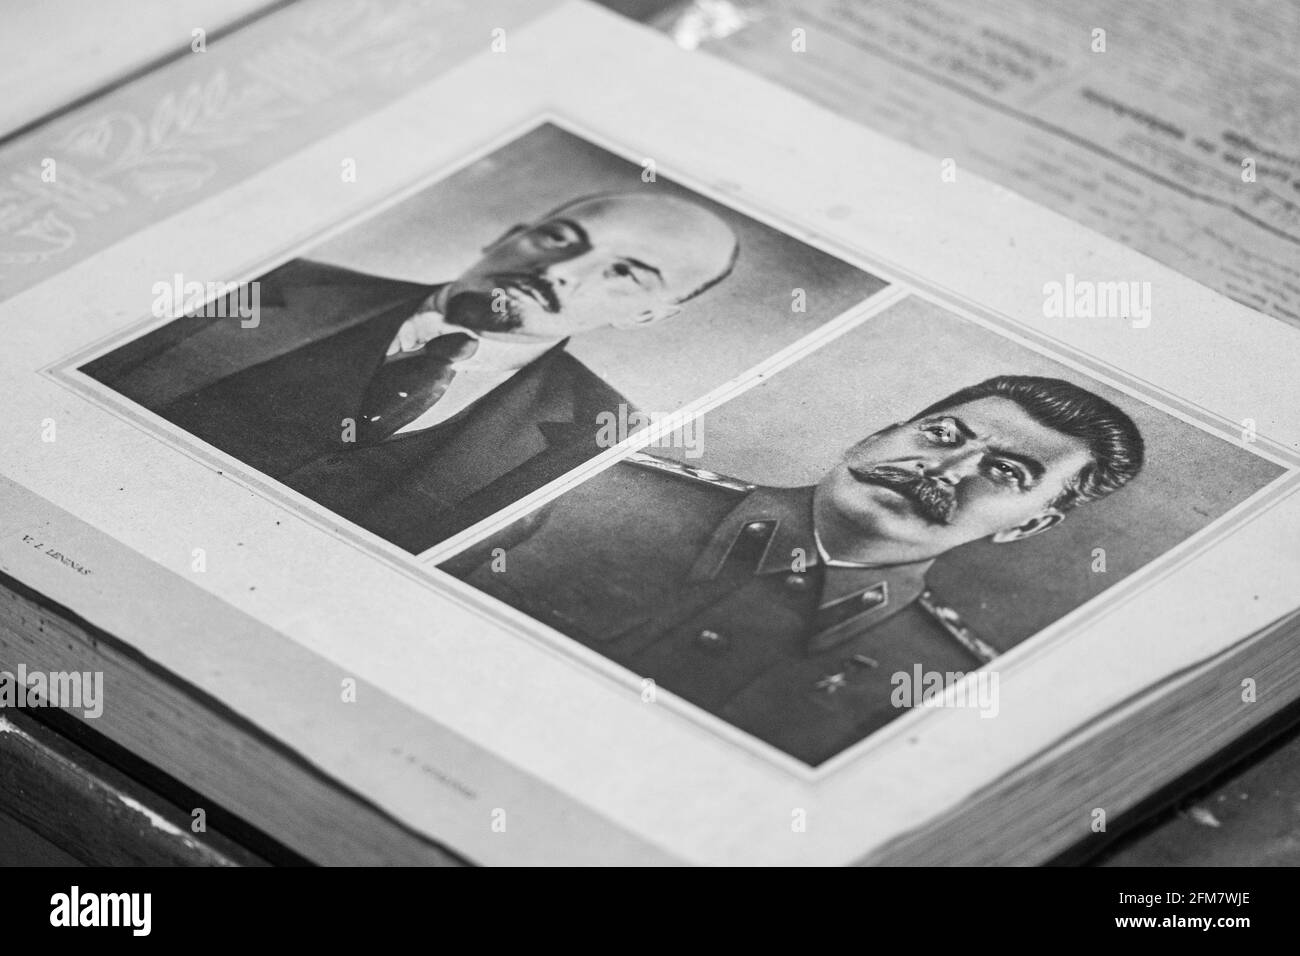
915 498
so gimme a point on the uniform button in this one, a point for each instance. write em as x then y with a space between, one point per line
711 640
872 598
755 527
796 582
831 683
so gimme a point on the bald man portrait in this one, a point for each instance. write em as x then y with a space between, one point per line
791 612
415 410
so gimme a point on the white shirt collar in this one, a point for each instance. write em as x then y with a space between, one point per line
492 354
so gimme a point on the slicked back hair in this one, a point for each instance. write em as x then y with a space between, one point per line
1113 440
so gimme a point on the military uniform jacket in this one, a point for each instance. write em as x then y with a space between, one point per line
714 589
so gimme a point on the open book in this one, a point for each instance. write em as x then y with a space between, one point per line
597 454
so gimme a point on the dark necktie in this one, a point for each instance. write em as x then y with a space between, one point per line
408 384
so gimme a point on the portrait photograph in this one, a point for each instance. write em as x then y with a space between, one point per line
421 369
917 496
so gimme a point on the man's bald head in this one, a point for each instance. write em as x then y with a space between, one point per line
703 247
622 259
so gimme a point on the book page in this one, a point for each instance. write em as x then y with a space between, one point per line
1173 128
95 45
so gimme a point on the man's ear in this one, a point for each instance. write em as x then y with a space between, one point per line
648 316
510 233
1035 525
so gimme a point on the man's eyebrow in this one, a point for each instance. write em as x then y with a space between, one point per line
960 425
576 229
1032 465
638 264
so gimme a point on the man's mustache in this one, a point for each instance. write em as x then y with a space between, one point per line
538 287
932 500
474 310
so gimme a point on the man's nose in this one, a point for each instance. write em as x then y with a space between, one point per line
952 467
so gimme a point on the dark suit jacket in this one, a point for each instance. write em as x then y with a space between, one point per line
690 579
277 396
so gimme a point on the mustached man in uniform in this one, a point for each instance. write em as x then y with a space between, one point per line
416 410
787 611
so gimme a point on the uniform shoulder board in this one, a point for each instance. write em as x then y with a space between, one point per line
957 628
691 473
